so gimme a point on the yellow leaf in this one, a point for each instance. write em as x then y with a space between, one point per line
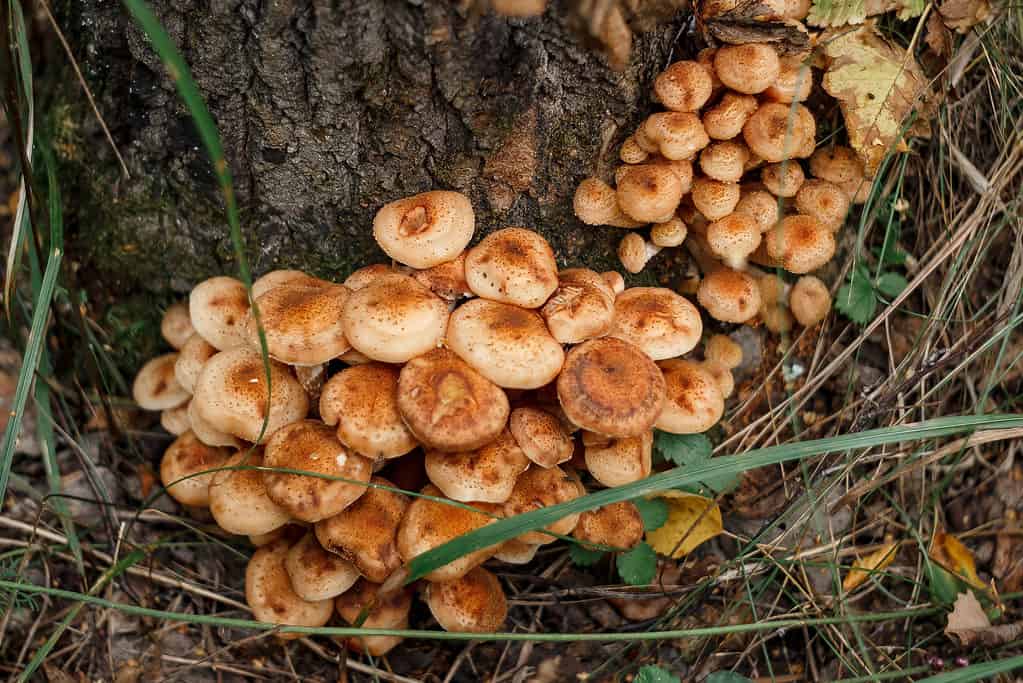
692 519
829 13
878 86
949 552
874 562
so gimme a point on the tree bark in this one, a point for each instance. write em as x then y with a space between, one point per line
330 108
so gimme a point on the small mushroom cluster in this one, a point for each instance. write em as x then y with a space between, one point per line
506 378
721 172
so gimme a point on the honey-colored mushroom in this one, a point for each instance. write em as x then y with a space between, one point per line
269 593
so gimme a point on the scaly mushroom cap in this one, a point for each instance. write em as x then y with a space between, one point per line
363 402
175 420
516 552
825 201
425 230
538 488
695 403
390 610
749 68
631 153
783 179
231 395
658 321
810 300
474 603
730 296
800 244
269 593
316 574
670 233
207 433
795 81
218 308
725 119
614 280
428 524
596 203
760 205
649 192
720 348
238 499
280 278
733 238
394 318
508 345
302 325
837 165
618 461
176 325
673 134
513 266
581 307
618 525
634 252
360 277
713 198
611 387
446 280
448 405
156 387
684 86
724 161
541 436
182 465
191 358
312 446
775 132
365 533
486 475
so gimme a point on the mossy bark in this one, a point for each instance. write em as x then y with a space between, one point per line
329 109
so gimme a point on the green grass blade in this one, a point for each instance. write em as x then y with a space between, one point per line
978 672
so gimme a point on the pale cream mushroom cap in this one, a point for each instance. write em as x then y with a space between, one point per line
317 574
800 244
762 206
809 300
302 325
365 533
486 475
634 252
176 325
449 406
733 238
474 603
722 349
825 201
776 131
541 436
713 198
725 119
580 308
749 68
425 230
446 280
514 266
238 499
730 296
175 420
722 375
508 345
182 466
538 488
360 277
673 134
207 433
516 552
670 233
192 356
783 179
695 403
218 308
596 203
684 86
156 387
724 160
363 402
618 525
658 321
649 192
269 593
614 280
389 611
618 461
312 446
231 395
279 278
394 318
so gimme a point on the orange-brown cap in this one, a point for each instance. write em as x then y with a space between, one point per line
748 68
783 179
695 403
596 203
279 278
618 461
516 552
649 192
670 233
673 134
218 308
360 277
269 593
581 308
730 296
713 198
836 164
618 525
658 321
810 300
720 348
317 574
800 244
825 201
794 83
192 356
486 475
386 610
762 206
474 603
776 131
724 161
446 280
156 387
186 469
541 436
684 86
634 252
513 266
631 153
302 324
725 119
538 488
363 402
238 499
176 325
425 230
733 238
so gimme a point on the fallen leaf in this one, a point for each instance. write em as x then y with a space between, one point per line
750 21
691 520
878 86
962 15
969 623
949 552
937 37
1007 565
874 562
832 13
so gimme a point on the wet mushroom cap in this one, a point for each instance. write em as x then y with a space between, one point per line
186 469
363 402
156 387
809 300
238 499
618 525
425 230
658 321
448 405
317 574
508 345
176 325
750 68
611 387
389 611
581 308
175 420
541 436
446 280
538 488
269 593
280 278
474 603
394 318
302 325
219 308
192 356
486 475
800 244
730 296
695 403
312 446
684 86
618 461
514 266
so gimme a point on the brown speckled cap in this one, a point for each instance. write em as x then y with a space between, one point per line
486 475
219 308
513 266
363 402
541 436
581 308
731 296
279 278
618 525
474 603
538 488
389 611
269 593
317 574
658 321
156 387
446 280
238 499
618 461
425 230
800 244
302 324
695 402
188 457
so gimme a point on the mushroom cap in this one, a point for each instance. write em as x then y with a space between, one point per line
363 402
800 244
486 475
269 593
618 525
426 229
538 488
722 375
218 308
724 160
658 321
614 280
390 610
836 164
684 86
762 206
289 532
794 83
673 134
448 405
733 238
682 168
611 387
238 499
189 457
231 395
317 574
649 192
634 252
351 357
705 57
695 403
775 132
783 179
631 153
722 349
749 68
394 318
809 300
580 308
725 119
207 433
365 532
475 603
713 198
825 201
508 345
360 277
446 280
176 325
772 289
776 318
428 524
730 296
302 325
516 552
541 436
670 233
596 203
312 446
513 266
175 420
192 356
155 386
618 461
280 278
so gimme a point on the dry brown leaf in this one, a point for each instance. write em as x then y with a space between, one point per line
750 21
879 87
937 36
962 15
949 552
874 562
692 519
969 623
